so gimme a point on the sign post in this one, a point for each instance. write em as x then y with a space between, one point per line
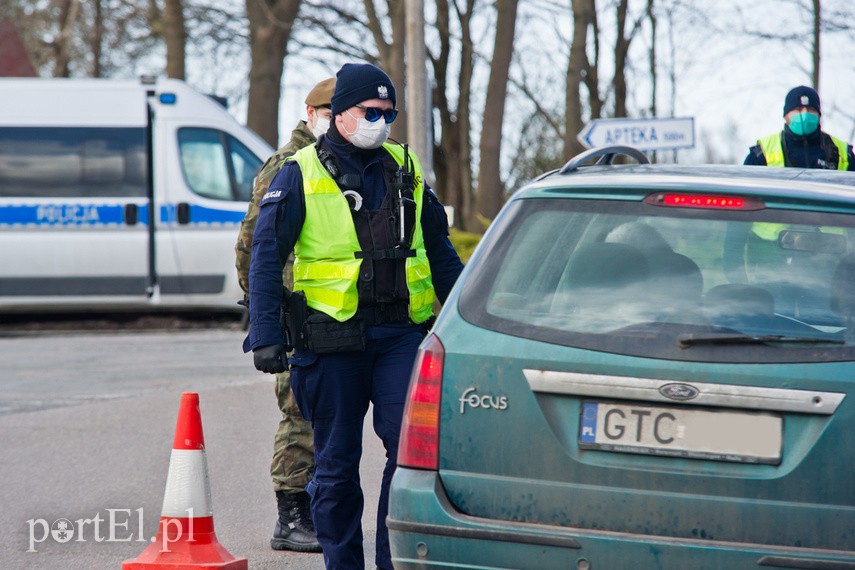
644 134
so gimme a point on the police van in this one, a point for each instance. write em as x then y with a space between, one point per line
120 195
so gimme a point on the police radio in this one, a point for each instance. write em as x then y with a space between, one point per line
403 185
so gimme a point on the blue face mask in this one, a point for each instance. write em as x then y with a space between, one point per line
804 123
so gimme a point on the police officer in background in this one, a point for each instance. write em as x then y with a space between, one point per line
371 256
802 143
293 459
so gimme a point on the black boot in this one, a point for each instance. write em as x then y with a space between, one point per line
294 528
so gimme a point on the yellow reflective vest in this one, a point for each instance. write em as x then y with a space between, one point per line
773 150
325 267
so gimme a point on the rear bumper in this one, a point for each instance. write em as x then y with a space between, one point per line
426 532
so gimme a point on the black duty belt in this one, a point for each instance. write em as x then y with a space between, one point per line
384 314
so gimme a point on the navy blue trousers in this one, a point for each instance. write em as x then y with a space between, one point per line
333 392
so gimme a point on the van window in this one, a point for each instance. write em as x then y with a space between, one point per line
72 162
216 165
246 166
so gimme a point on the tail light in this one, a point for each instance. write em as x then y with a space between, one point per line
419 443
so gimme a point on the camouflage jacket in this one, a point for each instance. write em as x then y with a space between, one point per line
301 136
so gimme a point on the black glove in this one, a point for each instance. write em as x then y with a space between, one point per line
270 358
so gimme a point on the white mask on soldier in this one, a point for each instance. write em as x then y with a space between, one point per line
322 125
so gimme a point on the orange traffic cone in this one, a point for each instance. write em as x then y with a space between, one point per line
186 538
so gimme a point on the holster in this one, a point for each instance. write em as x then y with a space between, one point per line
293 319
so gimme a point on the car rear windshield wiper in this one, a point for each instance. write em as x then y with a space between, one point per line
689 339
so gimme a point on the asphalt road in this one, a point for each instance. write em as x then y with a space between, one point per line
87 421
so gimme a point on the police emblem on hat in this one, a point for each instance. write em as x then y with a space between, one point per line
804 100
382 92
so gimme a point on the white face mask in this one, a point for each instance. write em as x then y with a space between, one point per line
367 134
322 125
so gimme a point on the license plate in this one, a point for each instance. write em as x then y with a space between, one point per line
746 437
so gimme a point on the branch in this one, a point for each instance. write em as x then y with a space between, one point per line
547 115
376 28
273 18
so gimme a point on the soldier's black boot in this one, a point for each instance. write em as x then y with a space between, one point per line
294 527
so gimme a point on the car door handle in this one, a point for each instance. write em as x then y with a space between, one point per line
183 213
132 213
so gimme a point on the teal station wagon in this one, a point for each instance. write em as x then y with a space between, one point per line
642 366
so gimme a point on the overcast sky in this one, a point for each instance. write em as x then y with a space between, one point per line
733 85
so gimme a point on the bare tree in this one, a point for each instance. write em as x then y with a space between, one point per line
391 54
97 43
453 151
490 193
822 20
175 36
817 36
651 55
580 71
107 38
622 43
62 43
270 25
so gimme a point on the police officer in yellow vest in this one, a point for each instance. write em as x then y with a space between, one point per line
802 143
293 448
372 255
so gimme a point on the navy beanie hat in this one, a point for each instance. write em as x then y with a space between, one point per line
358 82
801 96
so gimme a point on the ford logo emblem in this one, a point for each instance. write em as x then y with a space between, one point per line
680 392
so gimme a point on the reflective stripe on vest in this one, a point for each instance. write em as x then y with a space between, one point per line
325 267
773 150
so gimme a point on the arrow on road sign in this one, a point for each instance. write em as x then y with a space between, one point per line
644 134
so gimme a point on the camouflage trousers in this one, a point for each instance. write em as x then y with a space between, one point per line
293 447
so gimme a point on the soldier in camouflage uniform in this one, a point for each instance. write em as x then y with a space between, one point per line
293 450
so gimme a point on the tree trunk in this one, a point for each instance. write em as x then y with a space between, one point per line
592 75
464 126
577 65
444 155
175 37
62 43
270 23
651 16
817 26
98 38
621 52
452 154
396 66
391 55
490 193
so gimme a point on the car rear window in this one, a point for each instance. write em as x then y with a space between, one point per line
676 283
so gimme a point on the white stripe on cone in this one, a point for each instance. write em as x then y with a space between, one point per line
188 491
